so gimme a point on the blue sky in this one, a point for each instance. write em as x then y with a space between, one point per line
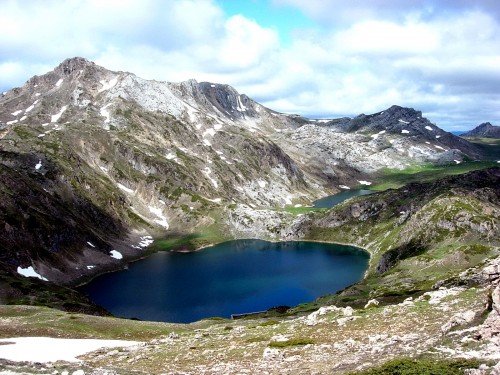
318 58
286 20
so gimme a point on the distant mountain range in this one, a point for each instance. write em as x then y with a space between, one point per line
485 130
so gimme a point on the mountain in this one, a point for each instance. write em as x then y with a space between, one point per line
97 164
99 168
485 130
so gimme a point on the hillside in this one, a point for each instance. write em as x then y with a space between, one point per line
418 235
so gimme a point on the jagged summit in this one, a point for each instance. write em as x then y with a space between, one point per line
486 130
73 64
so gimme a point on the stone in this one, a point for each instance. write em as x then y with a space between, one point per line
372 303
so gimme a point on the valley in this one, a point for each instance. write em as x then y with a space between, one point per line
101 168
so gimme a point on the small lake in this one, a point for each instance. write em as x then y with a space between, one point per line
333 200
230 278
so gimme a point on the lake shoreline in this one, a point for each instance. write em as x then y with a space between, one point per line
261 273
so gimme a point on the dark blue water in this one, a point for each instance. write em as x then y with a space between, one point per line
230 278
332 200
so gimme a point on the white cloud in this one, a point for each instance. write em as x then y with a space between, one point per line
441 57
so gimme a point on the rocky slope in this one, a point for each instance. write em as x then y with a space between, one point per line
96 163
485 130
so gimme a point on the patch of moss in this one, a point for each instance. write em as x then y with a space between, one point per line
292 342
422 367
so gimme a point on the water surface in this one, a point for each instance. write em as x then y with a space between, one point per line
230 278
333 200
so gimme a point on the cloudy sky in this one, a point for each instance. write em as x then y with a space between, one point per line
318 58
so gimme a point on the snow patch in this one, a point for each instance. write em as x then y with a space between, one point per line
171 156
17 112
106 85
215 200
91 244
124 188
365 183
161 220
404 131
457 161
344 187
403 121
31 106
207 143
90 267
115 254
57 116
38 94
428 128
105 113
210 132
262 183
58 83
47 349
23 118
438 136
146 241
441 148
207 172
241 107
375 136
39 164
11 122
30 272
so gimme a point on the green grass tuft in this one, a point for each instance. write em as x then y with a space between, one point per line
422 367
292 342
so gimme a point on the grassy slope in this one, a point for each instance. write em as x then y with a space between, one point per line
438 236
395 178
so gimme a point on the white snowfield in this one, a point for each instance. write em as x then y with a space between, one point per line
30 272
47 349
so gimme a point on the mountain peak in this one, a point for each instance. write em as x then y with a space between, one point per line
70 65
486 130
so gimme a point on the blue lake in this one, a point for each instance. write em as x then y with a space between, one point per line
335 199
230 278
